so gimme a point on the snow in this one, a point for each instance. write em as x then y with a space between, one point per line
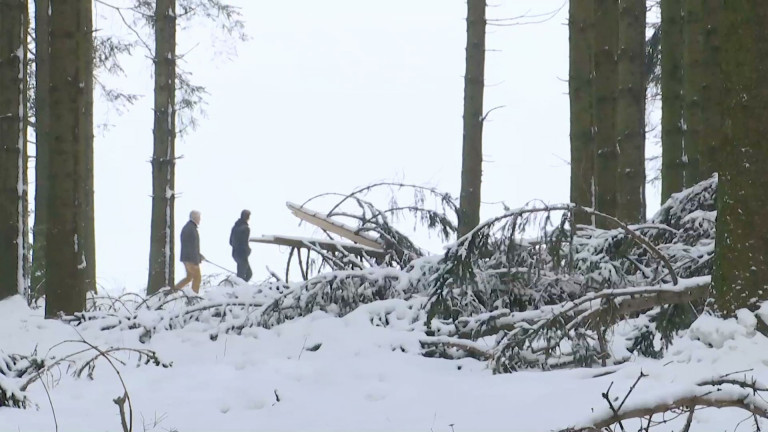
360 372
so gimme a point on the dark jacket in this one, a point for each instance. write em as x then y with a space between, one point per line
190 244
238 239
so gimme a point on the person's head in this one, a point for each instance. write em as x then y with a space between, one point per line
194 216
245 215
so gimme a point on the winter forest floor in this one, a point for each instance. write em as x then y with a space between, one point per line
321 372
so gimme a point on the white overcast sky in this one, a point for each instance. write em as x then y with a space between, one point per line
327 96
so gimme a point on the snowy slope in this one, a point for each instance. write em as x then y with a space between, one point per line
363 377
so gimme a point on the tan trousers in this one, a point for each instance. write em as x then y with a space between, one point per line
193 274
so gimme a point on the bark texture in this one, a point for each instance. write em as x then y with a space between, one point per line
741 255
605 84
630 112
672 149
161 247
65 269
472 143
580 95
711 90
12 146
88 234
692 87
42 139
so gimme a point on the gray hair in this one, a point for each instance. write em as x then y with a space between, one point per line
194 214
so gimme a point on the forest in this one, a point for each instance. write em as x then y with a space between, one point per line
593 293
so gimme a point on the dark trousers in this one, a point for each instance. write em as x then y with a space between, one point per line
243 267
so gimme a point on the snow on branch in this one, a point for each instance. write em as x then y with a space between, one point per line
551 335
18 372
722 392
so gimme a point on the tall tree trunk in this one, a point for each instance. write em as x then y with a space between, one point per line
65 273
88 235
711 90
741 254
672 149
26 265
692 86
630 112
605 84
472 143
12 145
580 94
161 248
42 139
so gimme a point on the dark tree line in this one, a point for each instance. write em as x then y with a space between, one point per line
607 84
13 131
714 119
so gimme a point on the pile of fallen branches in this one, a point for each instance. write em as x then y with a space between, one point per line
341 292
527 289
223 310
230 310
551 297
427 207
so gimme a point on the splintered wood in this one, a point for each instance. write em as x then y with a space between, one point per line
363 244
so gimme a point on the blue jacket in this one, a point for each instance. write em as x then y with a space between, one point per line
190 244
238 239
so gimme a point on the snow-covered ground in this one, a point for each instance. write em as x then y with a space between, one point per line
321 373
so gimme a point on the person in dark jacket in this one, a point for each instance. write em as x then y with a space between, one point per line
238 239
190 253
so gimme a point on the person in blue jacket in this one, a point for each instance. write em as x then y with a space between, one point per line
190 253
238 239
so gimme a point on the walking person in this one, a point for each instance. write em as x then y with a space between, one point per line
238 239
190 253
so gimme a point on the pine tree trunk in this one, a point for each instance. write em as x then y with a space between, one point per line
12 145
27 264
65 273
605 84
161 248
672 150
630 112
42 138
741 255
472 144
88 235
580 94
711 90
692 85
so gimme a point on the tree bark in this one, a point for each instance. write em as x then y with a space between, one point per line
711 90
88 234
42 139
65 270
692 87
161 249
630 112
605 84
740 277
580 29
472 143
27 254
12 146
672 148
